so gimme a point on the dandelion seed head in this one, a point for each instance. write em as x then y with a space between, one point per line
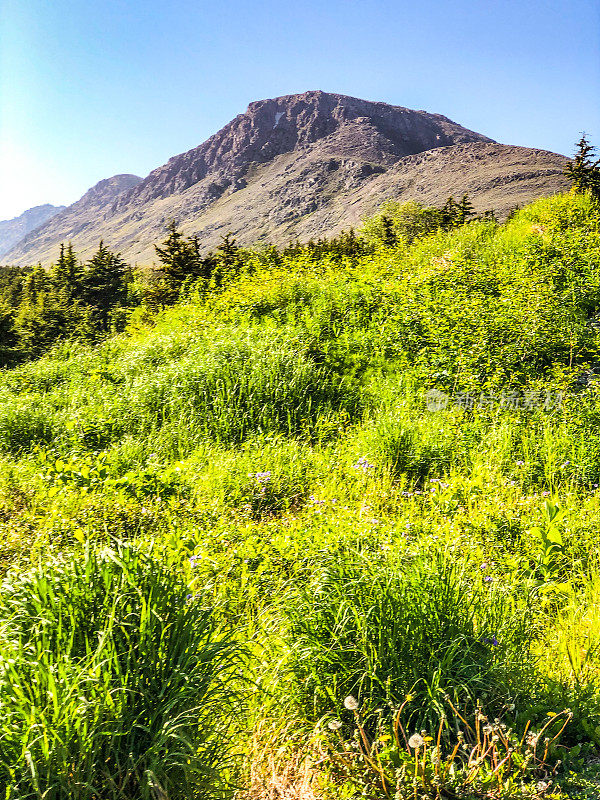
351 703
416 740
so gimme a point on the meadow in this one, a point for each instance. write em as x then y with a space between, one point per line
327 530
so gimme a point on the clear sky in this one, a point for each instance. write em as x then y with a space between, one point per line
90 88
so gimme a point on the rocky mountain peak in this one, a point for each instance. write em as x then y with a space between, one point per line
105 191
274 127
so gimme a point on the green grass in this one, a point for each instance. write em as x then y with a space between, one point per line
113 683
346 540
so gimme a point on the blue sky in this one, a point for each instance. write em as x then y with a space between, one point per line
91 89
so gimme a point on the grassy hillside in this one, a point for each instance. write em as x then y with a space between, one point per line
331 531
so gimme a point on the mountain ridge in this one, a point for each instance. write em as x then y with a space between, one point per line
299 165
14 230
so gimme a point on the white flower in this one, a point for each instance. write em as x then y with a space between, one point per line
351 703
416 740
334 725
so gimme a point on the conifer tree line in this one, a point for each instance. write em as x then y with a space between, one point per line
89 300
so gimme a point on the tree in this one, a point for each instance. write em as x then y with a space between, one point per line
583 171
389 237
451 214
180 259
465 209
225 262
67 273
104 283
36 282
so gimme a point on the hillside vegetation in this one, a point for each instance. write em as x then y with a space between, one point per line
326 527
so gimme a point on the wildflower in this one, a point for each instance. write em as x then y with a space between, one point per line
488 579
416 741
493 641
483 565
351 703
194 560
520 463
263 477
363 464
334 725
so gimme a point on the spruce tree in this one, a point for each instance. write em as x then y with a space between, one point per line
179 258
67 273
104 283
224 262
583 171
451 214
389 237
465 209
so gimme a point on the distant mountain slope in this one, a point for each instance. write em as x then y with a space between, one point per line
300 165
13 230
82 219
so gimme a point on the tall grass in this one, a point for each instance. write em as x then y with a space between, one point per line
419 625
113 684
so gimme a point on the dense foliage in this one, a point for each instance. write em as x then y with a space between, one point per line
321 521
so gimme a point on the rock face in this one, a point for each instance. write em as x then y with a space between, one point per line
301 165
13 230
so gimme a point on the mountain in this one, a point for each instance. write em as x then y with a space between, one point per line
299 166
76 222
13 230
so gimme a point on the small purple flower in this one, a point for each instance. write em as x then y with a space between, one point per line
363 464
488 579
493 641
520 463
194 561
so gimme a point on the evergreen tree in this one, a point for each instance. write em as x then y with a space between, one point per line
451 214
465 209
180 259
225 262
104 283
389 237
36 282
67 273
583 171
